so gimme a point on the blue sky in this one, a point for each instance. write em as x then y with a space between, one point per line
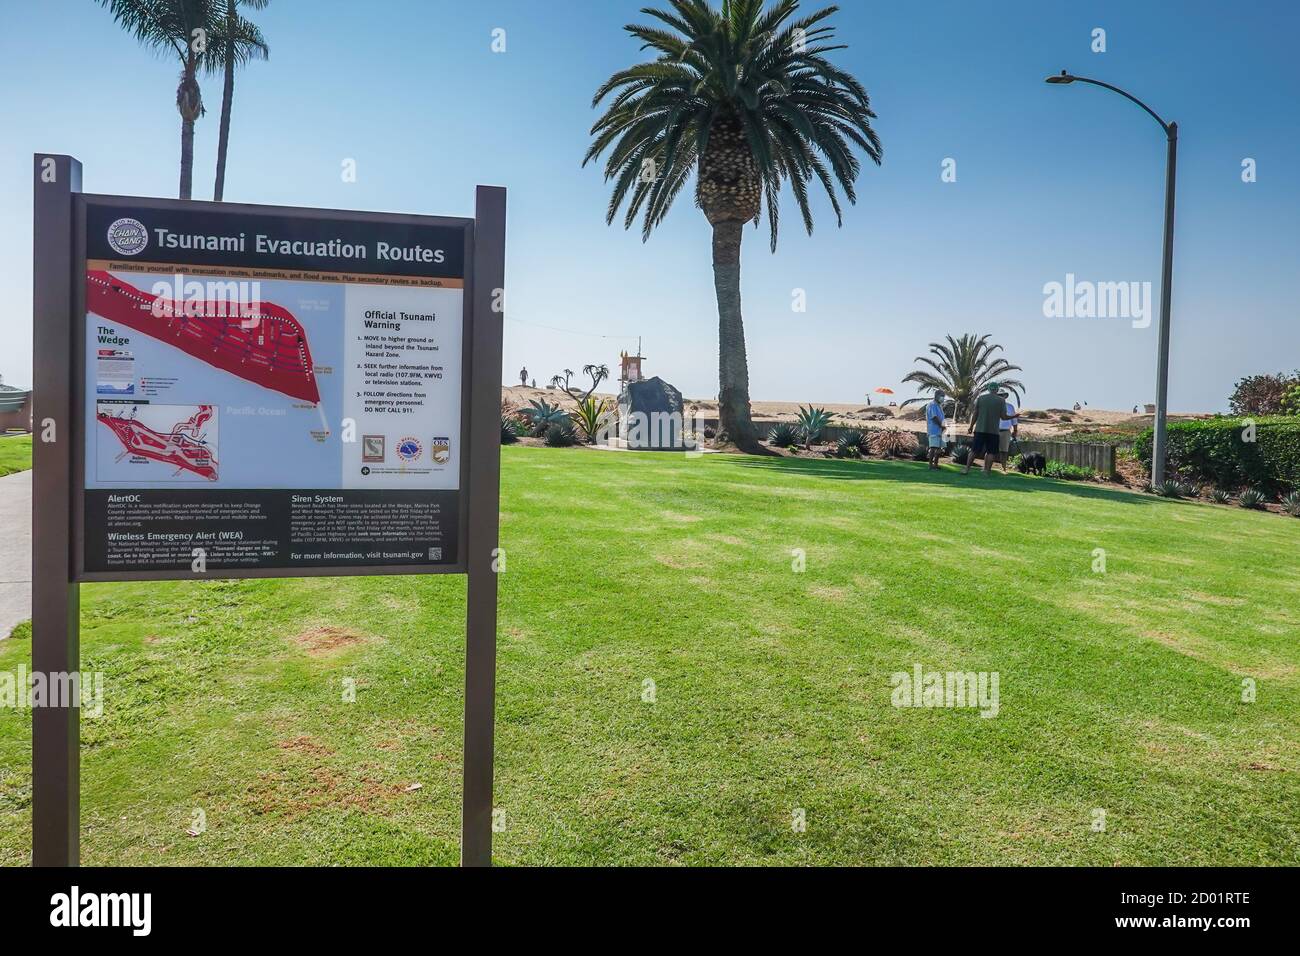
1050 180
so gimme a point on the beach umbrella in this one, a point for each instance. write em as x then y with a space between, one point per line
884 390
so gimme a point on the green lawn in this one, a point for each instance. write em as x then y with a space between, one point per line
1119 691
15 453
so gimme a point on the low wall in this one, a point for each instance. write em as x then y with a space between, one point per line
15 415
1098 458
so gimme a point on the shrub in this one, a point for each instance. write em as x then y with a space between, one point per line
783 435
1261 394
1220 497
893 442
812 422
849 444
1251 498
509 430
961 454
1291 504
921 452
1059 469
1170 489
1215 451
561 435
1291 400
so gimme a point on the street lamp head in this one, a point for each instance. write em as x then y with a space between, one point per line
1061 77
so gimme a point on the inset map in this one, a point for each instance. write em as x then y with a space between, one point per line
137 441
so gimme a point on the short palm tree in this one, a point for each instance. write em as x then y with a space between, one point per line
745 98
961 368
238 42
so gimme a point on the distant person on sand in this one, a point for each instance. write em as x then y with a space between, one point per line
1008 428
989 409
523 375
934 422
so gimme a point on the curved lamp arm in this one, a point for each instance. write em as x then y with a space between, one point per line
1064 77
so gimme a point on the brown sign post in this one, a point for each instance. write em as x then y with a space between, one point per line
346 422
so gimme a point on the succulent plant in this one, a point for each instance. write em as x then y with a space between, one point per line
541 414
1251 498
1171 489
783 435
1220 497
849 444
961 454
509 430
1291 504
561 435
812 422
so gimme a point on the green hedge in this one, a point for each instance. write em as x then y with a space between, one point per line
1213 451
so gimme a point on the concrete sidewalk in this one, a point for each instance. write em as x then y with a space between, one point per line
15 550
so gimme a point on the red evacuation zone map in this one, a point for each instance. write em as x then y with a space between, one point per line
180 447
264 344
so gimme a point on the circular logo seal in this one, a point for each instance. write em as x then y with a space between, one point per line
128 237
408 449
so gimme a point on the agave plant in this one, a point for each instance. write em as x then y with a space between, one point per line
541 414
510 429
783 435
893 442
1291 504
1171 489
591 416
812 422
1251 498
561 435
961 454
1220 497
849 444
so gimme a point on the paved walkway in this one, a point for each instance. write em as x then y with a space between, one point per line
15 550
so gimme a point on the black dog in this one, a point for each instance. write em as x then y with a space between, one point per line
1032 463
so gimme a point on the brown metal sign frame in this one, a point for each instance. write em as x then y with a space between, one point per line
58 555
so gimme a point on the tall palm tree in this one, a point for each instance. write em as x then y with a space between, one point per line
961 368
239 41
182 27
745 98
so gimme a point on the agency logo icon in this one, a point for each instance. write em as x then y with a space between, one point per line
440 450
128 237
409 449
372 447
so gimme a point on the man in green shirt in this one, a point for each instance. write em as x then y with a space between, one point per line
989 409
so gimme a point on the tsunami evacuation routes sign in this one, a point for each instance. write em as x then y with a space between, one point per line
224 390
267 392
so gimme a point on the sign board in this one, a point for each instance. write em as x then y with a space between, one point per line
270 393
224 390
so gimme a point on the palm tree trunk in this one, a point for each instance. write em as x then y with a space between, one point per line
733 367
187 157
223 137
227 98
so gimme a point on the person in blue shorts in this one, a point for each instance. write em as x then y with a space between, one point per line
934 422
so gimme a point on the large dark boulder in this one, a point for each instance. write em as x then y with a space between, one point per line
651 415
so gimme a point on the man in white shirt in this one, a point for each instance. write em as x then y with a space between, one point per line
934 422
1008 428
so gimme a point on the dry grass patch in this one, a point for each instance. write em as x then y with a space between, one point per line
327 641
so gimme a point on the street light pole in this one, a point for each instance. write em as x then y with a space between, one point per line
1158 448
